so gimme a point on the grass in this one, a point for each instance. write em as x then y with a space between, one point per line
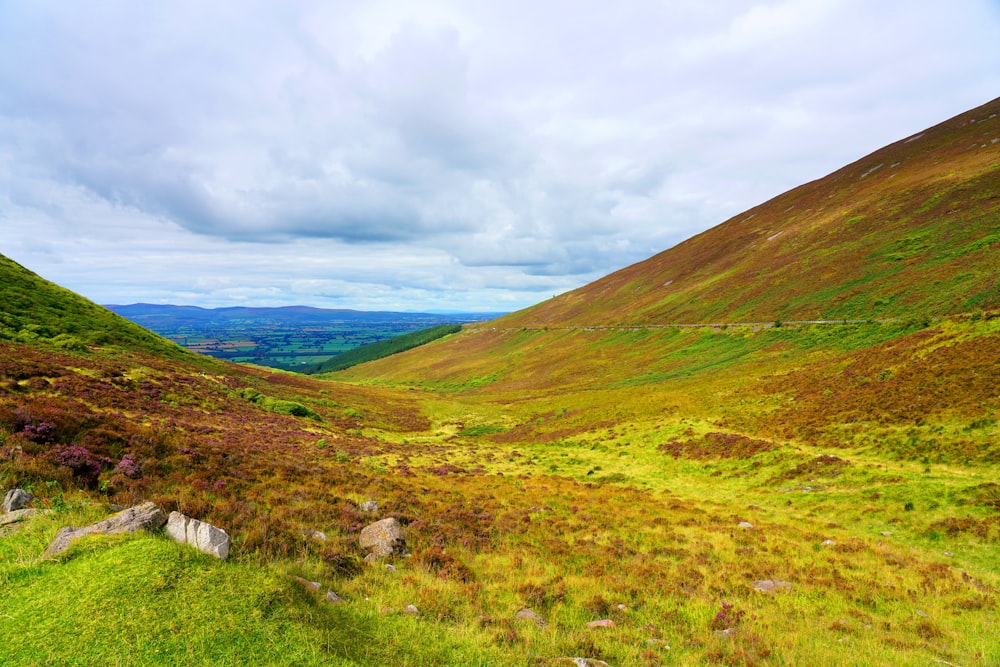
584 472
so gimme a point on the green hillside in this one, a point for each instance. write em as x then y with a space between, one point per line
34 310
381 349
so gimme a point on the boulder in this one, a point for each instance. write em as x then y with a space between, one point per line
383 538
771 585
528 615
16 499
17 515
603 623
411 610
333 598
202 536
146 516
746 525
370 506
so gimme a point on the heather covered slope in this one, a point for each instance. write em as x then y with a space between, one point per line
911 230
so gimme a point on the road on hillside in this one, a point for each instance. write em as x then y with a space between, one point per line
716 325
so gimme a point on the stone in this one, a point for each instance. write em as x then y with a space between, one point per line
383 538
389 567
202 536
603 623
771 586
526 614
583 662
728 632
18 515
369 506
16 499
146 516
311 585
829 543
316 535
745 524
411 610
333 598
886 533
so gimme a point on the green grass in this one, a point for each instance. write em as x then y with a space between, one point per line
381 349
36 311
123 600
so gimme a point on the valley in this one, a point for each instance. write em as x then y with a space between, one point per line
804 473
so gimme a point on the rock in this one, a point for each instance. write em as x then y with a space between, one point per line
886 533
771 586
528 615
146 516
583 662
745 524
622 608
728 632
16 499
316 535
389 567
411 610
333 598
603 623
369 506
829 543
311 585
202 536
383 538
19 515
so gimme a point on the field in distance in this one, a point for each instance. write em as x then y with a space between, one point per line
287 337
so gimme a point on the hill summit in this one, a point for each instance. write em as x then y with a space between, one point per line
910 229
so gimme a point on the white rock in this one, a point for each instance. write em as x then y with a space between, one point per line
202 536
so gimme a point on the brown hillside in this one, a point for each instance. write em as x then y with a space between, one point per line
909 230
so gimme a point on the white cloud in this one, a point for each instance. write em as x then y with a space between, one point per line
440 155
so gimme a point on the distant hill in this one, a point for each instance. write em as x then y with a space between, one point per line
296 338
34 310
910 230
170 315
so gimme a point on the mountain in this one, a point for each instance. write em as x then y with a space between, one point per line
576 482
910 230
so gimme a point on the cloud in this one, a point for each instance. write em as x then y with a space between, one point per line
511 148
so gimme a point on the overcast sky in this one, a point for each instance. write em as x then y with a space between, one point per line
438 155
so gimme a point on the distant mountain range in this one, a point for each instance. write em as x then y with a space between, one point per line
153 315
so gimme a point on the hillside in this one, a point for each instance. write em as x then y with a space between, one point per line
571 491
33 309
910 230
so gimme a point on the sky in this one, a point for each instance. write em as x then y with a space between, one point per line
436 155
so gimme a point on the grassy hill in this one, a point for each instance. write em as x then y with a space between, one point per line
34 310
730 495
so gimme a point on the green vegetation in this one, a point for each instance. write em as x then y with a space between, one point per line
382 349
276 405
745 495
294 338
36 311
